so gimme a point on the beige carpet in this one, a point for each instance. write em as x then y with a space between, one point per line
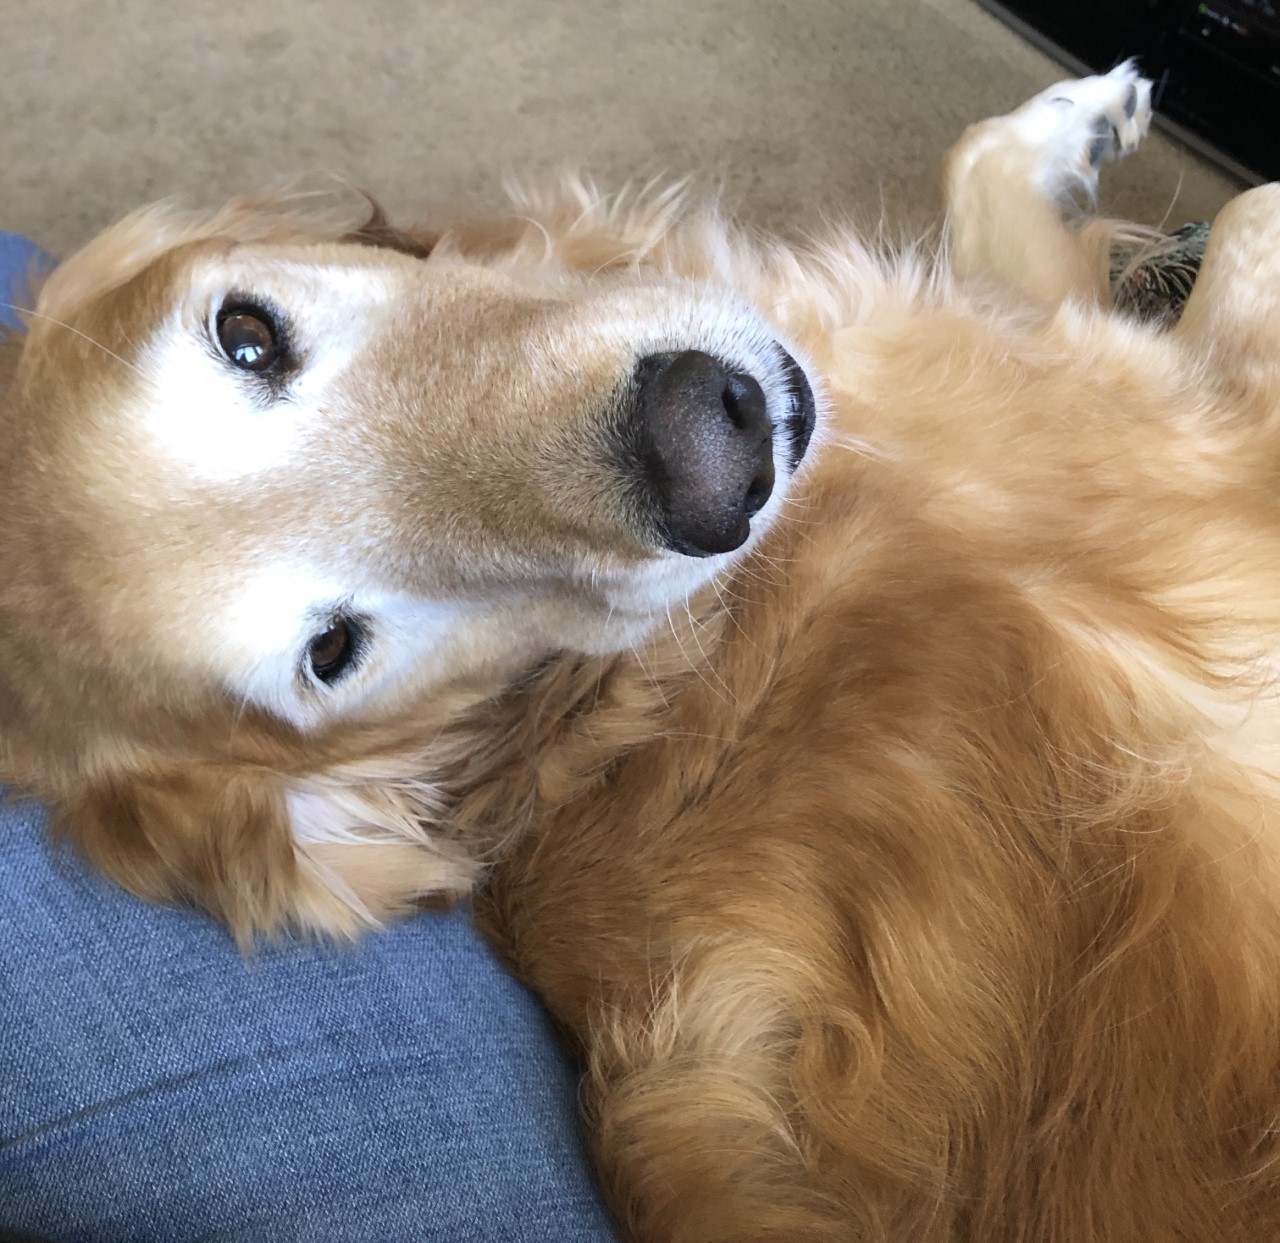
797 108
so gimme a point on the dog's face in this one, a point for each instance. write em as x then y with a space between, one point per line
263 488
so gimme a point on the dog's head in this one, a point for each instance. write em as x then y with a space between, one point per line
267 489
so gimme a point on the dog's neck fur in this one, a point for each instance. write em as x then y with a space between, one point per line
463 798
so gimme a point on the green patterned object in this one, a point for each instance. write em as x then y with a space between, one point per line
1157 288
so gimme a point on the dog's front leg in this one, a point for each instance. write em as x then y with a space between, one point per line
1008 184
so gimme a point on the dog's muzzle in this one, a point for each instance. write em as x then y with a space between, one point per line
704 441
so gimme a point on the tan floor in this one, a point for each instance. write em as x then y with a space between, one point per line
798 108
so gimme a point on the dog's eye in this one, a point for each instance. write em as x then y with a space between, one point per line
332 652
248 337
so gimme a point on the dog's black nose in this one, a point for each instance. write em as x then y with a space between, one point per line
705 448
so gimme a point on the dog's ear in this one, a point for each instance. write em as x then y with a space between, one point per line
132 244
214 837
378 231
119 253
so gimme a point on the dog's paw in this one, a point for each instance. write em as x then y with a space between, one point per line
1077 126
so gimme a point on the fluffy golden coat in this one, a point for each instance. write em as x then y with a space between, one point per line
916 876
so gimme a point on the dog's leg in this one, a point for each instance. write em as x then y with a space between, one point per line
1009 183
688 1114
1233 315
750 1101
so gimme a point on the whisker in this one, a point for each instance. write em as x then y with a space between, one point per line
706 660
22 310
693 665
727 609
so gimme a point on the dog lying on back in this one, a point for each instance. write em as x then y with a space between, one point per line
887 812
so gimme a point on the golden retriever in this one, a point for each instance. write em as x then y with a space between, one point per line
889 813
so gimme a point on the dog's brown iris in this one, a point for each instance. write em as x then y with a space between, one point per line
248 338
330 652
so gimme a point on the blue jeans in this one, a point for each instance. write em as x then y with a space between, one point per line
156 1085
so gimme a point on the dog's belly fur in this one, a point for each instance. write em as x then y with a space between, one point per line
940 901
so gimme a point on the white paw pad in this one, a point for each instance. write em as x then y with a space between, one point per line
1077 126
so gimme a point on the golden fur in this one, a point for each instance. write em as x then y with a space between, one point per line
919 877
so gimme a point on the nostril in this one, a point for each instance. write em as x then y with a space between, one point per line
733 397
758 493
729 400
744 403
705 449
